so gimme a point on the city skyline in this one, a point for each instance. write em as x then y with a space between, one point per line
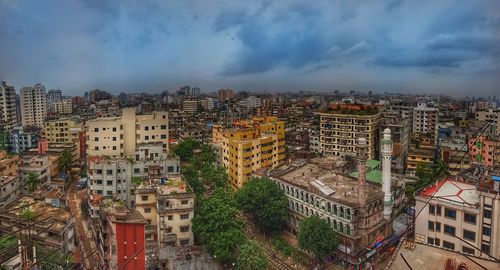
448 47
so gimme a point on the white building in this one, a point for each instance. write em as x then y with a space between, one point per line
190 106
64 106
33 105
250 102
53 96
208 103
425 119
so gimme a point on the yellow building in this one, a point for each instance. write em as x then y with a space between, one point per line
249 146
64 131
8 164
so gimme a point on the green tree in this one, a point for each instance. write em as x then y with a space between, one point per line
26 213
136 181
191 176
32 182
317 236
218 227
214 176
65 162
185 148
252 256
265 202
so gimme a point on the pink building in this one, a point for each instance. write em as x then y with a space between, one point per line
483 150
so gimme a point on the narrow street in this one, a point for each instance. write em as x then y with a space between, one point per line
74 198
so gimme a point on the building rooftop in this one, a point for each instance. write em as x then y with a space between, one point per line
374 176
4 179
333 185
166 185
453 191
42 210
118 212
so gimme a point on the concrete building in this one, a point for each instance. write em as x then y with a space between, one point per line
33 105
9 190
66 130
453 151
119 136
119 235
8 163
8 113
53 223
250 102
53 96
492 115
400 134
22 139
168 206
111 176
484 150
425 119
250 146
39 164
353 207
341 125
463 210
190 106
224 94
64 106
208 104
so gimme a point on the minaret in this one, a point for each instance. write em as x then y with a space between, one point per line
362 157
386 172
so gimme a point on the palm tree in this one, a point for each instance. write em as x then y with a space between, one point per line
31 182
65 161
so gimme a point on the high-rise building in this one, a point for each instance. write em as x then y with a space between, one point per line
250 102
195 91
53 96
342 125
120 136
66 131
250 146
8 112
224 94
190 106
33 105
64 106
425 119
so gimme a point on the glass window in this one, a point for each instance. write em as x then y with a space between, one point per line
470 235
468 250
430 226
487 213
470 218
449 213
485 248
486 231
432 209
430 241
449 229
449 245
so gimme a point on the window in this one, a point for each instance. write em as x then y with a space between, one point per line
114 129
170 169
184 242
168 230
430 241
437 242
163 126
430 226
438 210
109 172
114 147
144 197
96 139
432 209
467 250
486 231
470 218
109 182
170 217
163 136
146 128
469 235
146 138
114 139
109 192
96 148
147 210
96 129
448 245
449 213
136 170
184 228
438 226
99 182
184 216
487 213
485 248
449 229
184 202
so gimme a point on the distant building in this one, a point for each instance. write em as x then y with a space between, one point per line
425 119
195 91
208 103
8 112
64 106
250 102
22 139
342 125
492 116
484 150
33 105
250 146
66 131
190 106
224 94
53 96
98 95
38 164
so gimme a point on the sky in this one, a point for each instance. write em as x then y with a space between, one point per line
450 47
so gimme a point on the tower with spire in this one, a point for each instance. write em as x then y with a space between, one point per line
386 172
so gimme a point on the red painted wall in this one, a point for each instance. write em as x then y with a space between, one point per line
129 240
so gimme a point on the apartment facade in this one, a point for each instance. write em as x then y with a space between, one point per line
460 210
33 105
190 106
341 126
39 164
8 113
8 163
425 119
119 136
168 206
66 131
64 106
224 94
484 150
490 115
249 146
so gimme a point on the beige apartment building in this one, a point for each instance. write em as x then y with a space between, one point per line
64 106
250 146
119 136
33 105
342 125
425 119
65 131
8 163
38 164
167 204
8 114
461 210
490 115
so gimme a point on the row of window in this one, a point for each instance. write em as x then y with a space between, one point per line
469 250
447 229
